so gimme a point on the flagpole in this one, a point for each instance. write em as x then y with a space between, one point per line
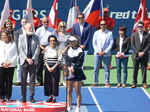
5 13
102 9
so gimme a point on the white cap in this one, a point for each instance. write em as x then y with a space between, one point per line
72 38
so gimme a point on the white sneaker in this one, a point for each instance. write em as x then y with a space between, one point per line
78 110
69 109
64 84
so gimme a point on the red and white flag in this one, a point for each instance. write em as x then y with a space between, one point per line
141 15
72 15
92 11
5 13
53 15
29 13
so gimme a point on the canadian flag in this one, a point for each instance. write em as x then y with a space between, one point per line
72 15
5 13
53 15
141 15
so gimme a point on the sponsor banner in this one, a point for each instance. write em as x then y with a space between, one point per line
123 11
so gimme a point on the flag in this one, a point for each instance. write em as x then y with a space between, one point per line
141 15
72 15
92 12
5 13
29 15
53 15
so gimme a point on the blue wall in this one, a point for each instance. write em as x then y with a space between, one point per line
123 11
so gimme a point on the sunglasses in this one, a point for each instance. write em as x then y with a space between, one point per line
105 12
103 24
80 17
46 22
62 26
140 26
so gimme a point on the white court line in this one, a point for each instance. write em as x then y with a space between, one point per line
145 92
92 94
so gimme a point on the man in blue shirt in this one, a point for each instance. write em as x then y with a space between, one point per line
102 44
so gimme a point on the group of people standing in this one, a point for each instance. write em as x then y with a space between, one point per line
47 49
43 48
103 43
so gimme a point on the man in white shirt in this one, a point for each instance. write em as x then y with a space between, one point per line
102 44
140 42
43 32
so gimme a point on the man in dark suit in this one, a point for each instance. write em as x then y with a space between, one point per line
28 46
17 34
140 42
84 31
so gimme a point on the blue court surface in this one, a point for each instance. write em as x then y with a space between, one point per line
99 99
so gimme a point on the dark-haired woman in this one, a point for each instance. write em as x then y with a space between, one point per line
52 58
121 46
7 64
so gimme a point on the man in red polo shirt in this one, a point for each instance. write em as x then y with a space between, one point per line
110 23
12 20
147 29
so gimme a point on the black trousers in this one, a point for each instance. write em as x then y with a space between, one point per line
6 75
51 82
39 73
136 64
24 73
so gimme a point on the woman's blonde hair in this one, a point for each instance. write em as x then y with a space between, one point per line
62 23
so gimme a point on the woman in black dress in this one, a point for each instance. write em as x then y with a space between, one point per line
75 58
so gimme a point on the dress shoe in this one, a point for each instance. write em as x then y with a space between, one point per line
28 84
123 85
100 67
49 99
133 86
18 84
107 85
8 100
119 85
145 86
111 67
82 83
147 67
32 99
1 100
54 100
39 84
94 85
23 100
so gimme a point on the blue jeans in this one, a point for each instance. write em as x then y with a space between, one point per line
124 62
97 61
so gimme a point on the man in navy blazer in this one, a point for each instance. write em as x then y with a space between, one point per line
84 31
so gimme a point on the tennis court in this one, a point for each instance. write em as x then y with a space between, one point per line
100 99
